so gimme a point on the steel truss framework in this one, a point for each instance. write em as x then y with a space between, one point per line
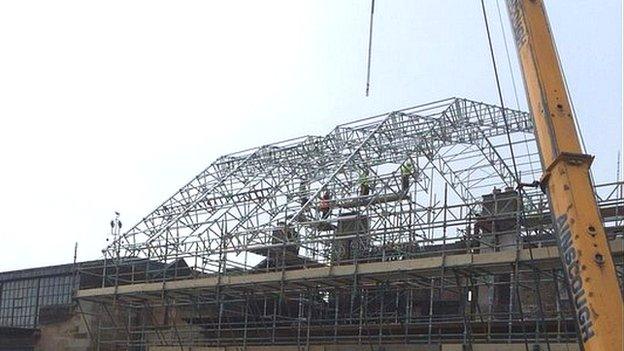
403 189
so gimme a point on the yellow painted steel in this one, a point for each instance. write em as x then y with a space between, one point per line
582 241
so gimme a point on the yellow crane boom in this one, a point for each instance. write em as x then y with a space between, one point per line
583 244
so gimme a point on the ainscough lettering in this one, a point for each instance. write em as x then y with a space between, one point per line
573 273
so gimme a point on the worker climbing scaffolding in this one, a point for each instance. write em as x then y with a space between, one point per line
407 170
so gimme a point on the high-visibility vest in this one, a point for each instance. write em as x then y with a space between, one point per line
407 168
363 180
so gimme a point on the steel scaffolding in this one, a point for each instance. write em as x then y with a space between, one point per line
402 228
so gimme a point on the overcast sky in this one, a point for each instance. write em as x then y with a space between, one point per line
114 105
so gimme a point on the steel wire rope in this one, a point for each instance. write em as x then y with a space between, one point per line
370 47
499 90
513 79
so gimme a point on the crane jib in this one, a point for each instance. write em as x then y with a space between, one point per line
592 283
575 281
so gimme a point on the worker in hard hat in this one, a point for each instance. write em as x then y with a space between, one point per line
407 169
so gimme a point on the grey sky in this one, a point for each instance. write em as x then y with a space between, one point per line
115 105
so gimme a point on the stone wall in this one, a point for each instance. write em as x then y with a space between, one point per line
64 328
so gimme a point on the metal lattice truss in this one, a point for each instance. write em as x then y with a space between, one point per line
235 206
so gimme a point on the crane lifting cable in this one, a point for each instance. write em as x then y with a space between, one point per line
511 73
370 47
500 92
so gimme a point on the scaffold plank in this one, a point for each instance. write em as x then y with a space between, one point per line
545 257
